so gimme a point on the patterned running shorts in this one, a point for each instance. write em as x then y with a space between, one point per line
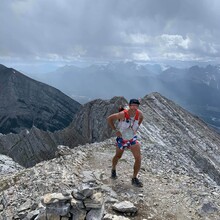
122 144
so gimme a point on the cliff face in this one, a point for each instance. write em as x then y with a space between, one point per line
25 102
91 120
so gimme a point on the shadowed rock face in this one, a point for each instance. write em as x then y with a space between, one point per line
91 121
30 147
25 102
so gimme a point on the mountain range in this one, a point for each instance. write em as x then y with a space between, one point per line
194 88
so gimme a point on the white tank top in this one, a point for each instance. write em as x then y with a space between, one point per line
128 128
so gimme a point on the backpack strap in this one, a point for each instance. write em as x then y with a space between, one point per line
127 116
136 115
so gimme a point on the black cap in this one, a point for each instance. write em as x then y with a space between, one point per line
134 101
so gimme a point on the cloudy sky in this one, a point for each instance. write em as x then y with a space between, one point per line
68 31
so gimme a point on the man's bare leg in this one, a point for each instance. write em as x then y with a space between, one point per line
135 149
118 155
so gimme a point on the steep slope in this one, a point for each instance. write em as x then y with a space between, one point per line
30 147
179 138
25 102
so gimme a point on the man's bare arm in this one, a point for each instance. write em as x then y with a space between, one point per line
141 117
112 118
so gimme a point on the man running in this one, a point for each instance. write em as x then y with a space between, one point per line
129 122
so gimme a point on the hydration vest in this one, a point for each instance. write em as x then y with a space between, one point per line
127 116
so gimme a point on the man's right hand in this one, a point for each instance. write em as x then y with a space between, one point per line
118 134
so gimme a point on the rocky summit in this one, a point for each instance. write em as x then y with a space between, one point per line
25 102
180 173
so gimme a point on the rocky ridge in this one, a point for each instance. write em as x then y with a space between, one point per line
179 138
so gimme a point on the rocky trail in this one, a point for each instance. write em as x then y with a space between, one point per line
164 196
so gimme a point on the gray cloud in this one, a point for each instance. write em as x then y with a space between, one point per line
100 29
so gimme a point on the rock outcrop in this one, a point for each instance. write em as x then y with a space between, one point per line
91 122
7 165
30 147
25 102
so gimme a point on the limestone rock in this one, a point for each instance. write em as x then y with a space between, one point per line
77 195
58 208
208 207
180 167
85 190
7 165
125 206
63 150
55 197
95 214
32 146
77 204
95 202
90 121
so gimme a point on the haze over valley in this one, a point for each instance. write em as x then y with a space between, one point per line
195 88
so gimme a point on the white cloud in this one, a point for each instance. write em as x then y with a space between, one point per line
125 29
143 56
136 38
174 41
